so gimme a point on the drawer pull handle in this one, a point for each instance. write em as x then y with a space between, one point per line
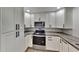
50 39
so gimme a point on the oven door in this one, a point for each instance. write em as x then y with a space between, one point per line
39 40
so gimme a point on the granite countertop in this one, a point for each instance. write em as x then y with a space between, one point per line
70 39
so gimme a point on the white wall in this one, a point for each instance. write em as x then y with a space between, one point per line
75 28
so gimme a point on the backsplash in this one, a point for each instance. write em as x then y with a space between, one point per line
46 29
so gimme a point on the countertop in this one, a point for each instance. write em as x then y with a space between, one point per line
69 38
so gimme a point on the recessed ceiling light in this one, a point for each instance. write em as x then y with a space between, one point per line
28 10
58 7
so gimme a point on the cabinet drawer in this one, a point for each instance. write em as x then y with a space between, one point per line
52 43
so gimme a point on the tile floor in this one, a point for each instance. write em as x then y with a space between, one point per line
37 50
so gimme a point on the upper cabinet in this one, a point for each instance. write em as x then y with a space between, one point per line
48 18
10 17
68 17
7 21
60 18
32 20
51 20
27 20
64 18
19 16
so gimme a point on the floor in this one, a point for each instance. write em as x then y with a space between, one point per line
37 50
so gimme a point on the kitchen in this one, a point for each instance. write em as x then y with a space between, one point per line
39 29
61 29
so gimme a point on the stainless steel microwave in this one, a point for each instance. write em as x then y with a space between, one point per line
40 24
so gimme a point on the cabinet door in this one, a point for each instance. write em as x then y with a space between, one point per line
32 20
8 42
26 42
27 20
30 40
7 19
68 17
60 18
19 19
36 17
52 43
61 45
51 20
47 20
20 11
72 49
65 46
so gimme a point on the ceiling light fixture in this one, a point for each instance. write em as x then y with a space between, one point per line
58 7
28 10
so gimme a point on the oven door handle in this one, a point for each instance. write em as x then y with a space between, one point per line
39 35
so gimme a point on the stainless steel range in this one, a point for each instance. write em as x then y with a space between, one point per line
39 38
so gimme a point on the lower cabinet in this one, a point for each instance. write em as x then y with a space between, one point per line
72 49
63 46
8 42
28 39
66 47
55 43
52 43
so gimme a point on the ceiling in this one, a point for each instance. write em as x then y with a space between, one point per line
40 9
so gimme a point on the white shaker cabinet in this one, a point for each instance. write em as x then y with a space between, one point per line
19 18
8 21
64 46
32 20
27 20
47 20
72 49
51 20
10 17
52 43
64 18
28 40
8 42
36 17
68 20
60 18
